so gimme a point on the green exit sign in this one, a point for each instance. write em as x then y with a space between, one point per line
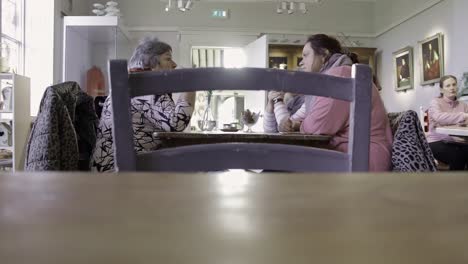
220 13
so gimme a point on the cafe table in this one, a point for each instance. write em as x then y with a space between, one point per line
177 139
233 217
461 131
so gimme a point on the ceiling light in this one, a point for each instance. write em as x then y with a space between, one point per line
168 6
284 5
279 10
298 5
291 7
303 8
180 5
188 5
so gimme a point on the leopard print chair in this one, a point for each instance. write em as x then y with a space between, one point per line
410 149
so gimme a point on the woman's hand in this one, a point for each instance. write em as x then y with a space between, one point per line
272 95
459 139
287 125
465 115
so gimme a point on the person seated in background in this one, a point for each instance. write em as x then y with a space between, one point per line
149 113
328 116
283 115
283 106
443 111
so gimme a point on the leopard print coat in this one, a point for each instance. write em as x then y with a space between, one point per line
410 150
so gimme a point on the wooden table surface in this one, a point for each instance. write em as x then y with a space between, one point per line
453 130
176 139
233 217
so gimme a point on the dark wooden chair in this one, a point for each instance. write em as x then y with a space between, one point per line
206 157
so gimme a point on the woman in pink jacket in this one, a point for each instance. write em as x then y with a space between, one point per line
331 117
443 111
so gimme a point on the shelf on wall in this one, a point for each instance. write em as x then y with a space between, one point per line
91 41
6 76
18 118
7 147
96 28
6 162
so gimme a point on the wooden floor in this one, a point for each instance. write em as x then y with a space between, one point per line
233 217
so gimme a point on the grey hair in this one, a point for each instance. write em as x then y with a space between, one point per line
146 54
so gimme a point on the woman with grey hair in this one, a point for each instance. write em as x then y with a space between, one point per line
149 113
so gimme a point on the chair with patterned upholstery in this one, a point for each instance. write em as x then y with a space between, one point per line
410 150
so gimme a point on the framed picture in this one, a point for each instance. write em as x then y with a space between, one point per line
431 54
278 63
403 67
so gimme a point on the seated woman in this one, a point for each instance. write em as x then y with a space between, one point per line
283 114
443 111
331 117
149 113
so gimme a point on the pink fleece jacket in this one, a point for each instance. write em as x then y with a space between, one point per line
444 112
331 117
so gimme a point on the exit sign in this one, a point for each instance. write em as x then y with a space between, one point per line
220 13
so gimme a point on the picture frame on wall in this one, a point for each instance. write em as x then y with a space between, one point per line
431 57
403 69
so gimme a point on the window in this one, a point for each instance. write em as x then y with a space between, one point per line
225 107
12 35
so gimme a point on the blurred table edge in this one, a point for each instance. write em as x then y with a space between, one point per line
453 130
233 217
176 139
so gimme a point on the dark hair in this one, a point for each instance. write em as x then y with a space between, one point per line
321 43
353 56
146 54
443 79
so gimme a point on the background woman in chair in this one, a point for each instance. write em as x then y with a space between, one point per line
149 113
331 117
443 111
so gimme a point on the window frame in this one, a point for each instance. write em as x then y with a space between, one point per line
20 42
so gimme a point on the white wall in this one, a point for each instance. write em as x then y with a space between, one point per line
447 17
80 8
78 61
390 13
39 52
459 39
247 21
